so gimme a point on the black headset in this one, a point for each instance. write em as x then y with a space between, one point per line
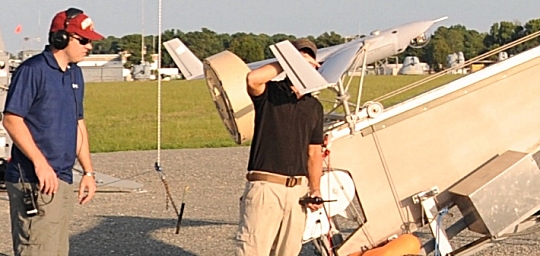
60 39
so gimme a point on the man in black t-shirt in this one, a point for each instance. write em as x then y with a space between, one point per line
285 162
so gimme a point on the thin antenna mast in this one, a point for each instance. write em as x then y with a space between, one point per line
157 165
142 32
159 86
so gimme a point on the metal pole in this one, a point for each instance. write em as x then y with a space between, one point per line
142 32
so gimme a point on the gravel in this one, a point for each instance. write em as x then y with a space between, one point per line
124 222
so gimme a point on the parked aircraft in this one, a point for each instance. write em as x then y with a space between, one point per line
471 143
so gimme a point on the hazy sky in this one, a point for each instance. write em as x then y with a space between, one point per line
297 17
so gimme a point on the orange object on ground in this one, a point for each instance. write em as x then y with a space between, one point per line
403 245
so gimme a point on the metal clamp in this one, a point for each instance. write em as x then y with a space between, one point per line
425 195
427 201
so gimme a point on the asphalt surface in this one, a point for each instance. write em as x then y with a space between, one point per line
123 222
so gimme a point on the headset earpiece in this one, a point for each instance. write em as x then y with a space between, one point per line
60 39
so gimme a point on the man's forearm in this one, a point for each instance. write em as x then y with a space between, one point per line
21 136
257 78
314 170
264 73
83 147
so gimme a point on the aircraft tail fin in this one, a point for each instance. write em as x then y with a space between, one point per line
302 75
190 66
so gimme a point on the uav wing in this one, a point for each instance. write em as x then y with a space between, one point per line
336 59
302 75
190 66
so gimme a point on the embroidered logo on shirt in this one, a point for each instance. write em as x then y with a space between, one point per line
75 86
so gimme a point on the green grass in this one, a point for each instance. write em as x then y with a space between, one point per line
123 115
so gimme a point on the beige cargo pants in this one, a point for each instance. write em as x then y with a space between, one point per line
46 233
272 222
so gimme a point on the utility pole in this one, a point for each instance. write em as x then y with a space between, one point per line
143 50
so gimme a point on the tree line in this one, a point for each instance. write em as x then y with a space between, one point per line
254 47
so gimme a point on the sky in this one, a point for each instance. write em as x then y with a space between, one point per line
295 17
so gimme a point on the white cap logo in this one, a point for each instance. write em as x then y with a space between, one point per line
87 24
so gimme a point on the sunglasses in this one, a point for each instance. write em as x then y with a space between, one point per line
82 40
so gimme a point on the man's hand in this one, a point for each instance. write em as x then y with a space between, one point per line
48 181
87 189
311 61
314 193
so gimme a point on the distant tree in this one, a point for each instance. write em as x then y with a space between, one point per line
455 38
266 41
328 39
500 34
530 27
132 44
436 52
251 47
225 40
247 46
445 41
282 37
473 43
203 43
108 45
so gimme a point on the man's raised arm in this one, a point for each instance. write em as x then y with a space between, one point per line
257 78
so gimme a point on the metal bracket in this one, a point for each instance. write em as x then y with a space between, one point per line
425 195
427 201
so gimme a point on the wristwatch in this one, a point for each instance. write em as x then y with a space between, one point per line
91 174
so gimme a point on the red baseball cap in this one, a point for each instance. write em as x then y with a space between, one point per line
81 25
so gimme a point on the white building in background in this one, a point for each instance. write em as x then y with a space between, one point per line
103 68
102 60
148 71
412 66
455 59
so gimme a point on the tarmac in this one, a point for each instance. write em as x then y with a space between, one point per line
126 222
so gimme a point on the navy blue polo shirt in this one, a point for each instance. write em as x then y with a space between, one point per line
50 101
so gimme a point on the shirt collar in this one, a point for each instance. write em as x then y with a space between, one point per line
51 61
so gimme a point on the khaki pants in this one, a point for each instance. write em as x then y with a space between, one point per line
272 222
46 233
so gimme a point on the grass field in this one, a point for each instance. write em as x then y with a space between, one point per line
123 115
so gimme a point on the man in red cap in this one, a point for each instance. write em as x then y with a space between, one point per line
43 114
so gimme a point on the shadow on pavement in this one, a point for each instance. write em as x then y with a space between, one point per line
127 235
